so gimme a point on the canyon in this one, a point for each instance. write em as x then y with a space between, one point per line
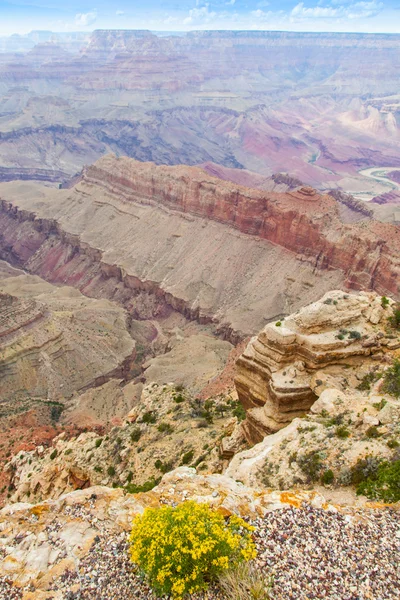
267 102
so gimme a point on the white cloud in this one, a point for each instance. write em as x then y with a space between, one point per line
200 16
354 10
230 2
85 19
120 13
261 15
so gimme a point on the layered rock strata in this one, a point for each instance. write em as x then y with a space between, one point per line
279 373
159 238
54 341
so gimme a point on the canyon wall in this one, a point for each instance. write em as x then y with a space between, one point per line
158 238
302 221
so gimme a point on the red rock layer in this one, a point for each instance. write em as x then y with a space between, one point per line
303 221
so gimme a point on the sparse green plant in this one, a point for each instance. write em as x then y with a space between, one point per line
391 379
380 405
111 471
342 432
187 457
68 451
384 484
98 442
384 301
394 319
367 380
53 454
165 428
327 477
372 432
136 434
392 443
149 417
311 464
278 324
133 488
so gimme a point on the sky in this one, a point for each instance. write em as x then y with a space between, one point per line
22 16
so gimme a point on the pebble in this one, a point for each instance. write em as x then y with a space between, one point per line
309 553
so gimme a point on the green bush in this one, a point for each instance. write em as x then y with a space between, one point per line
187 457
98 442
179 398
384 301
149 417
311 465
53 455
391 379
372 432
327 477
165 428
363 469
132 488
136 434
163 467
394 320
239 412
111 471
384 484
354 335
342 432
278 324
182 549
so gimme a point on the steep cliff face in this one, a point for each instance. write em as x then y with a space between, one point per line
135 231
156 238
302 221
285 368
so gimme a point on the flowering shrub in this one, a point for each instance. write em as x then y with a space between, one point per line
182 549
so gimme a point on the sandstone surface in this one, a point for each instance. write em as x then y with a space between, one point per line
55 341
285 368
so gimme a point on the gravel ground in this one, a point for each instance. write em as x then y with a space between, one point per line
310 553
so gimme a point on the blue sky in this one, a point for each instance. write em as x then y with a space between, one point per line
21 16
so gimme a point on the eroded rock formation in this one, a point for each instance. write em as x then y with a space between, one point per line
54 341
162 238
284 368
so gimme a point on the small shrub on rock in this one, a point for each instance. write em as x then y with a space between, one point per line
149 417
327 477
182 549
136 434
391 379
53 455
384 484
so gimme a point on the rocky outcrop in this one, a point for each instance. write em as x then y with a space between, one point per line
167 427
283 369
42 543
54 341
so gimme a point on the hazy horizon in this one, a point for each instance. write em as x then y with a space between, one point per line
335 16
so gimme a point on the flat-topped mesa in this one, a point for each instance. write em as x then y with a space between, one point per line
303 221
279 373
